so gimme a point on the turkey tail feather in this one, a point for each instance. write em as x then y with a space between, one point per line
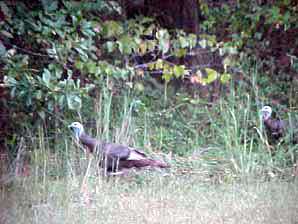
159 164
143 163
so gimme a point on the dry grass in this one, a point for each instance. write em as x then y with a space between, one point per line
146 197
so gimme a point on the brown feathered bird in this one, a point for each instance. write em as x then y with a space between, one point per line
277 128
114 157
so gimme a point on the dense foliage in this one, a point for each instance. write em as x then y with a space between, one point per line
59 55
55 55
265 31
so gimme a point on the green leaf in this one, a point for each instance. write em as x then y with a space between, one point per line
275 13
211 75
112 29
50 106
123 73
56 69
49 5
211 40
126 44
109 70
159 64
180 52
230 61
92 67
74 102
167 72
79 65
2 50
110 46
183 42
87 28
61 100
151 66
179 70
195 101
83 55
192 39
38 94
52 52
163 37
167 76
139 87
207 40
203 43
46 77
10 81
225 78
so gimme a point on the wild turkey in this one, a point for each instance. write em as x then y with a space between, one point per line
277 128
114 157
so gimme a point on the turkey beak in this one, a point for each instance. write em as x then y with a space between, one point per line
74 130
265 115
71 128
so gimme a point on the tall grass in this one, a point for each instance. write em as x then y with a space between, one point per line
140 197
205 146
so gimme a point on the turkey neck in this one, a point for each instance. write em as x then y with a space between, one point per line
88 141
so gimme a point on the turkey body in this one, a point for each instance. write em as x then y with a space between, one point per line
112 156
277 128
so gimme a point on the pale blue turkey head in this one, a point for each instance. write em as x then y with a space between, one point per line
266 112
77 129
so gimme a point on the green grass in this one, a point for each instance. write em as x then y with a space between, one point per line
201 187
148 198
222 169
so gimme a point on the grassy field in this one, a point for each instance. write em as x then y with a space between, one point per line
222 167
148 197
210 185
71 189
